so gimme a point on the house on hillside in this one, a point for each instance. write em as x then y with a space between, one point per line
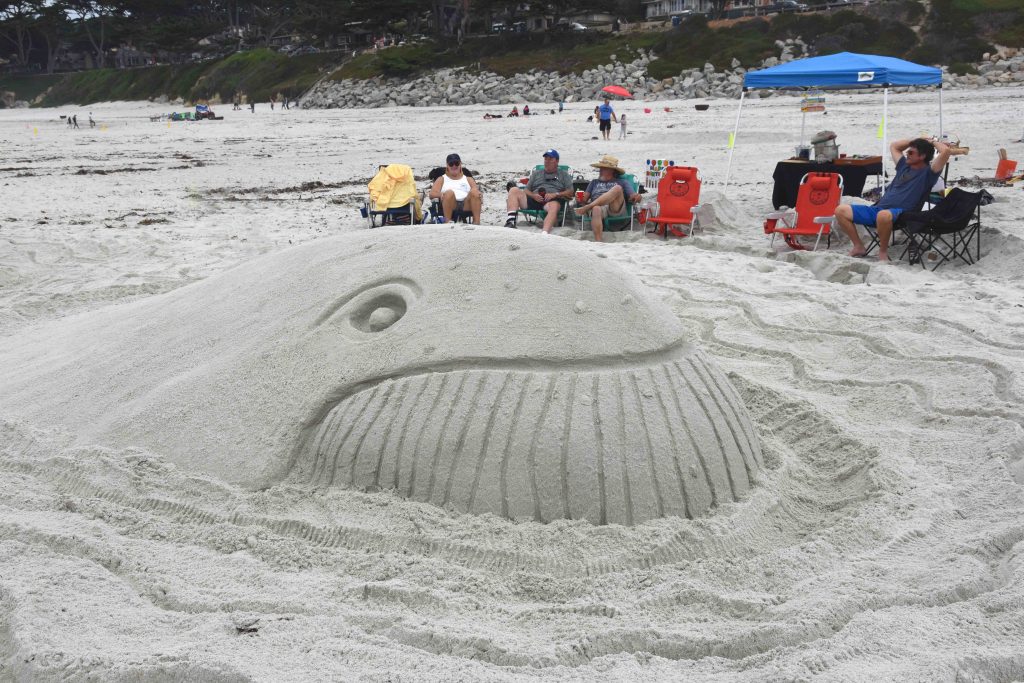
655 10
663 9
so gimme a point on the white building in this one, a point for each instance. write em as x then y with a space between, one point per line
662 9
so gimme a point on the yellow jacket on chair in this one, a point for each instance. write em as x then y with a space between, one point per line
392 187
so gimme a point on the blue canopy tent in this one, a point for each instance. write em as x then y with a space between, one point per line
843 70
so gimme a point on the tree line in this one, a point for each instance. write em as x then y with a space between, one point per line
35 32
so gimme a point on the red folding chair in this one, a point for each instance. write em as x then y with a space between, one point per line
678 201
814 214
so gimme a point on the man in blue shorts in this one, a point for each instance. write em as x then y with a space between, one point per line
917 168
605 115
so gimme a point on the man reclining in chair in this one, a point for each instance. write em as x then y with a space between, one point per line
547 188
607 196
917 168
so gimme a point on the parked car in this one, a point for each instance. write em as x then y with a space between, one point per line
305 50
791 6
570 26
498 27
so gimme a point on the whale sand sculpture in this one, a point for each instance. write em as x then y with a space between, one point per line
481 369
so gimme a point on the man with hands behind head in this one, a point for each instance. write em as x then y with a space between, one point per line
918 166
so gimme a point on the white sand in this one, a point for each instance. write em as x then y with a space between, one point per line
883 542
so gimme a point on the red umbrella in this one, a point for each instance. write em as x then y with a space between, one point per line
616 90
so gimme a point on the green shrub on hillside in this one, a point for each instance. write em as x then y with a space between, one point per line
694 43
504 54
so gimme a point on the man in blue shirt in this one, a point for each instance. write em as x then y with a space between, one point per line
917 168
605 115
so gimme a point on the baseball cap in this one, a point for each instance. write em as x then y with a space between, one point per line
453 158
553 153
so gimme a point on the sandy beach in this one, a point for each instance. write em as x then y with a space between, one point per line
883 538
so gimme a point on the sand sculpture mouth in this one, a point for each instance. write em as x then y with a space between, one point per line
621 445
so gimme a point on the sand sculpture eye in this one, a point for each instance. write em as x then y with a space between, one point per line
379 314
375 308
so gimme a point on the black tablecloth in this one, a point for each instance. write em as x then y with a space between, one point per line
788 174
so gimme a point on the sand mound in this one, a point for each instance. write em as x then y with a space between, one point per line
489 377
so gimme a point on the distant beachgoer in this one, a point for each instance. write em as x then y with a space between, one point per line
917 168
92 124
514 112
561 106
526 110
271 104
286 106
622 127
252 107
605 115
493 116
74 119
457 191
69 121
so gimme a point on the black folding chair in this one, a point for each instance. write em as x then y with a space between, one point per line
949 230
896 227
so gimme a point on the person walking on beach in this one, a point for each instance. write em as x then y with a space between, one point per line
69 121
252 107
74 120
605 115
546 189
457 191
917 168
92 124
622 127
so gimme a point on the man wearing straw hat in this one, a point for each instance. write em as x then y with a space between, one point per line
606 196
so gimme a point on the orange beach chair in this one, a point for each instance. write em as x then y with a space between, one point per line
816 203
678 201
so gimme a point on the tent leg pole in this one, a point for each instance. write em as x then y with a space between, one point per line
735 131
885 132
941 130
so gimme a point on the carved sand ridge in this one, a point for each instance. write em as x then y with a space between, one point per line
620 447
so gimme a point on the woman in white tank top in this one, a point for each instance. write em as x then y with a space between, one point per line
457 191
